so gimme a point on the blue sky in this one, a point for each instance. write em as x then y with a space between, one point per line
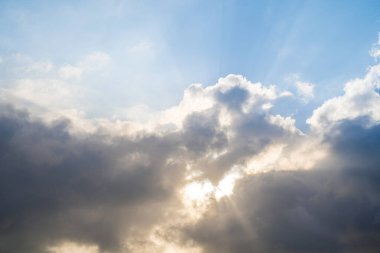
159 49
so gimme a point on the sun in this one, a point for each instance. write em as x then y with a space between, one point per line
198 191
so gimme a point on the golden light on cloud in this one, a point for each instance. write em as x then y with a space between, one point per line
155 242
198 192
72 247
226 186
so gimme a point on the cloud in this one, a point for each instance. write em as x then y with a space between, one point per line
23 65
44 87
49 93
70 71
332 208
375 50
305 90
97 188
69 247
141 47
360 98
88 190
219 172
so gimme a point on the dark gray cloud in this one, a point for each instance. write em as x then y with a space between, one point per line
334 208
95 188
54 186
201 133
233 98
252 132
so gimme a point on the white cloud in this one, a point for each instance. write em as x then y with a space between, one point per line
375 50
24 65
40 85
196 98
360 98
141 47
305 90
41 67
53 94
95 61
69 71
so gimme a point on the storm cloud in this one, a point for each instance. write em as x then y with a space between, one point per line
91 189
332 208
121 187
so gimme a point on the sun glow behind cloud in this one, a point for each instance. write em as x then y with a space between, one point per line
70 247
212 148
199 192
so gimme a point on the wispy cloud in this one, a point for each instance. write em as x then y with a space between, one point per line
375 50
141 47
91 62
305 90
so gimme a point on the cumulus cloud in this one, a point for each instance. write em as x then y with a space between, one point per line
219 172
332 208
360 98
97 188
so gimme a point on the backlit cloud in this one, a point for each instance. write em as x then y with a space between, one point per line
219 172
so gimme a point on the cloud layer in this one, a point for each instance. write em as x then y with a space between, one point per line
219 172
332 208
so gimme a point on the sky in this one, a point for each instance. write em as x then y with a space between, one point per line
189 126
163 47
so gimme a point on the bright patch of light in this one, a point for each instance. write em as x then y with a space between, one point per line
192 174
198 192
304 157
196 197
265 160
157 242
71 247
179 249
226 185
